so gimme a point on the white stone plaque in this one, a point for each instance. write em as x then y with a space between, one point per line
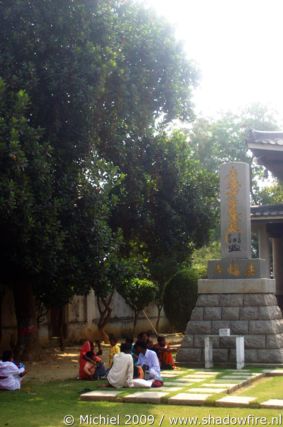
224 332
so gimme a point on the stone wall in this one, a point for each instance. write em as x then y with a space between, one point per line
81 317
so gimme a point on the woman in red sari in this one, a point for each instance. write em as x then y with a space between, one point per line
164 354
91 366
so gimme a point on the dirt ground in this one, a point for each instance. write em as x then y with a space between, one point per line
58 365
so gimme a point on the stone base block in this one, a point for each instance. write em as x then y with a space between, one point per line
256 316
236 286
237 268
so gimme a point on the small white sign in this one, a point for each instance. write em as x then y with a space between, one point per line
225 332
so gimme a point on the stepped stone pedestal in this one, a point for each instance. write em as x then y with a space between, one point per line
237 294
255 315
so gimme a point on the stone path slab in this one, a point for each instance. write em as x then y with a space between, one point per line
234 401
208 390
240 374
272 404
169 376
227 386
275 372
100 395
188 399
145 397
200 377
230 377
176 384
206 375
191 380
185 385
170 389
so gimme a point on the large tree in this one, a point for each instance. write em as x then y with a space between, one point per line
99 76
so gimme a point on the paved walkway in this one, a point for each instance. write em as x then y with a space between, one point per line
193 387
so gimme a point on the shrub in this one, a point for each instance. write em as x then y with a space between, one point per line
180 298
138 293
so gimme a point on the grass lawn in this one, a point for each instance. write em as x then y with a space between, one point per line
264 389
45 405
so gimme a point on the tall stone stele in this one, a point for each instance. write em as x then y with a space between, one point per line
238 293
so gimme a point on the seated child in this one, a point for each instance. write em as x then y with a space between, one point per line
164 354
114 349
10 373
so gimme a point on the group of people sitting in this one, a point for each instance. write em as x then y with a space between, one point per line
130 364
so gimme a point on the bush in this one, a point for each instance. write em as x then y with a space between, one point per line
138 293
180 298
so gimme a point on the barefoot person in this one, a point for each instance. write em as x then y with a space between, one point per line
122 371
10 374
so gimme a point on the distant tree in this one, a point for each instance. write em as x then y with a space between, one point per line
202 255
179 211
271 194
223 139
138 294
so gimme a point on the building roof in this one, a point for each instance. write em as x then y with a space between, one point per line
269 213
268 149
265 139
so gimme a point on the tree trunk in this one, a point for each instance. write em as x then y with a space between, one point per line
159 310
61 329
135 322
105 311
27 347
1 304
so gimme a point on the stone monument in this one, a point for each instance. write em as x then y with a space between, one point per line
238 293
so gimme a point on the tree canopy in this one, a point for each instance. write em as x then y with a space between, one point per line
89 177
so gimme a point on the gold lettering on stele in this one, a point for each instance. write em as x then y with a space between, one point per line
234 269
251 270
218 269
233 235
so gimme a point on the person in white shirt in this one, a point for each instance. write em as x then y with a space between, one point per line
10 373
122 371
148 360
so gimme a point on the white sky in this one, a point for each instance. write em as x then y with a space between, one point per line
238 45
